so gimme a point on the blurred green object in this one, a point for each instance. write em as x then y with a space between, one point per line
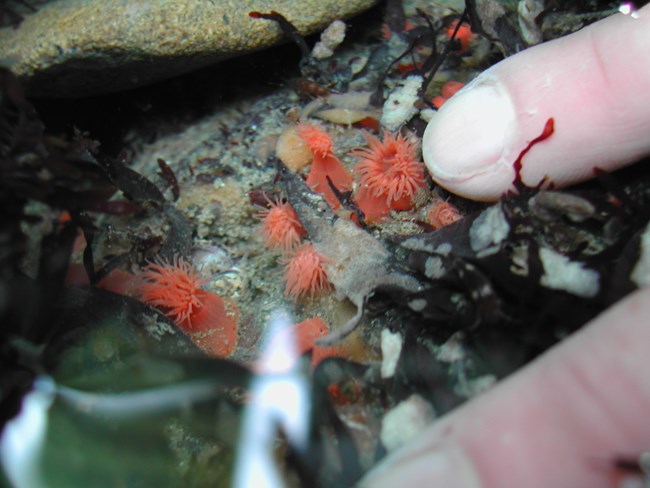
127 412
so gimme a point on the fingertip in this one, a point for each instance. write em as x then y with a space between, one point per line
588 82
584 399
449 467
465 146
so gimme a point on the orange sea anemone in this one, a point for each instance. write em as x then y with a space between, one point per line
306 332
389 173
174 288
305 273
318 141
281 227
217 319
441 213
325 164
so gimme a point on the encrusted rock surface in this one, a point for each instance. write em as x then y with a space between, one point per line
83 47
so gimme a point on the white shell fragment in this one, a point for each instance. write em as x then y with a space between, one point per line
560 273
391 348
488 231
399 108
330 39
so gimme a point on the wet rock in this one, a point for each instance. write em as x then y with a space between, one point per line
73 48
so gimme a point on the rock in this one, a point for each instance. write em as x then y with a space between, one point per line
73 48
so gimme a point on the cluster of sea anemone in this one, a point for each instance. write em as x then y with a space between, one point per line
305 273
389 177
389 174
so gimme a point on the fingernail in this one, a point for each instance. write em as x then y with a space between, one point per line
471 135
448 467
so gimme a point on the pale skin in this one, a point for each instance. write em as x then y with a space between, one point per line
593 83
563 419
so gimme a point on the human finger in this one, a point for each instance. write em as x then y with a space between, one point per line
593 83
561 421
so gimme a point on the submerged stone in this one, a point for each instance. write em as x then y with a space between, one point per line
73 48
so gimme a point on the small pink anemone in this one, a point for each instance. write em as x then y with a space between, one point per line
305 273
441 213
281 227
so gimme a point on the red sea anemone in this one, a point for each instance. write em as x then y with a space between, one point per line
305 273
175 289
281 227
389 173
325 164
